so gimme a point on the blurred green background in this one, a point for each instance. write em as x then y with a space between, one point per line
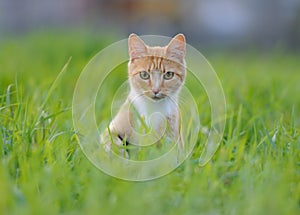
254 49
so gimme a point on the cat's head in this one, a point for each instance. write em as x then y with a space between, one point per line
156 72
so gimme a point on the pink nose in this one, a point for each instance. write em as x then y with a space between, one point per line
155 91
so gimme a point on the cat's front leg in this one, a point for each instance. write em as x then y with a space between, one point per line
118 133
111 139
173 130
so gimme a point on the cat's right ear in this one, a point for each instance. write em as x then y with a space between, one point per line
136 47
176 49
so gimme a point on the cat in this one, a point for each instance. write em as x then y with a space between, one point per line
156 76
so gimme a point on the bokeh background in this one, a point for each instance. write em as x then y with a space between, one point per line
263 24
252 45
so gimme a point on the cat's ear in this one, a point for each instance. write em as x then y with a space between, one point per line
177 47
136 47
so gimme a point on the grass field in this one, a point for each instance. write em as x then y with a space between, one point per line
256 170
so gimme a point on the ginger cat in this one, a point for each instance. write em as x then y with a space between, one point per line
156 76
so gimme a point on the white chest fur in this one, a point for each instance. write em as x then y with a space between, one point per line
154 112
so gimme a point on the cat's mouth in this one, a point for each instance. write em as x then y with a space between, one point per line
155 97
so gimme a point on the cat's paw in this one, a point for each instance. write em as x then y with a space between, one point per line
105 140
110 140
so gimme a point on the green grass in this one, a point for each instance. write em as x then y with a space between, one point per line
256 170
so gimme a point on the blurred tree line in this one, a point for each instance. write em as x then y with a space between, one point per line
265 23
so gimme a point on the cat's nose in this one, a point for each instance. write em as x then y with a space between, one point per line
155 91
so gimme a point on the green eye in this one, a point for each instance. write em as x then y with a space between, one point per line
144 75
168 75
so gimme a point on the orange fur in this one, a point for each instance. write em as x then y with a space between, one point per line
156 76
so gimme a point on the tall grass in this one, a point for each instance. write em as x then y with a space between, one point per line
42 170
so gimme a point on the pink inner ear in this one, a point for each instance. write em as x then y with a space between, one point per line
136 47
180 37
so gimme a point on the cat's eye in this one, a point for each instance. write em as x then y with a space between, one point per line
168 75
144 75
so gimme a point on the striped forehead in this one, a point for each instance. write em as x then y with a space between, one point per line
156 63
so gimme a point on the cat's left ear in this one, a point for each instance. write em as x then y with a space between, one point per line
177 47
